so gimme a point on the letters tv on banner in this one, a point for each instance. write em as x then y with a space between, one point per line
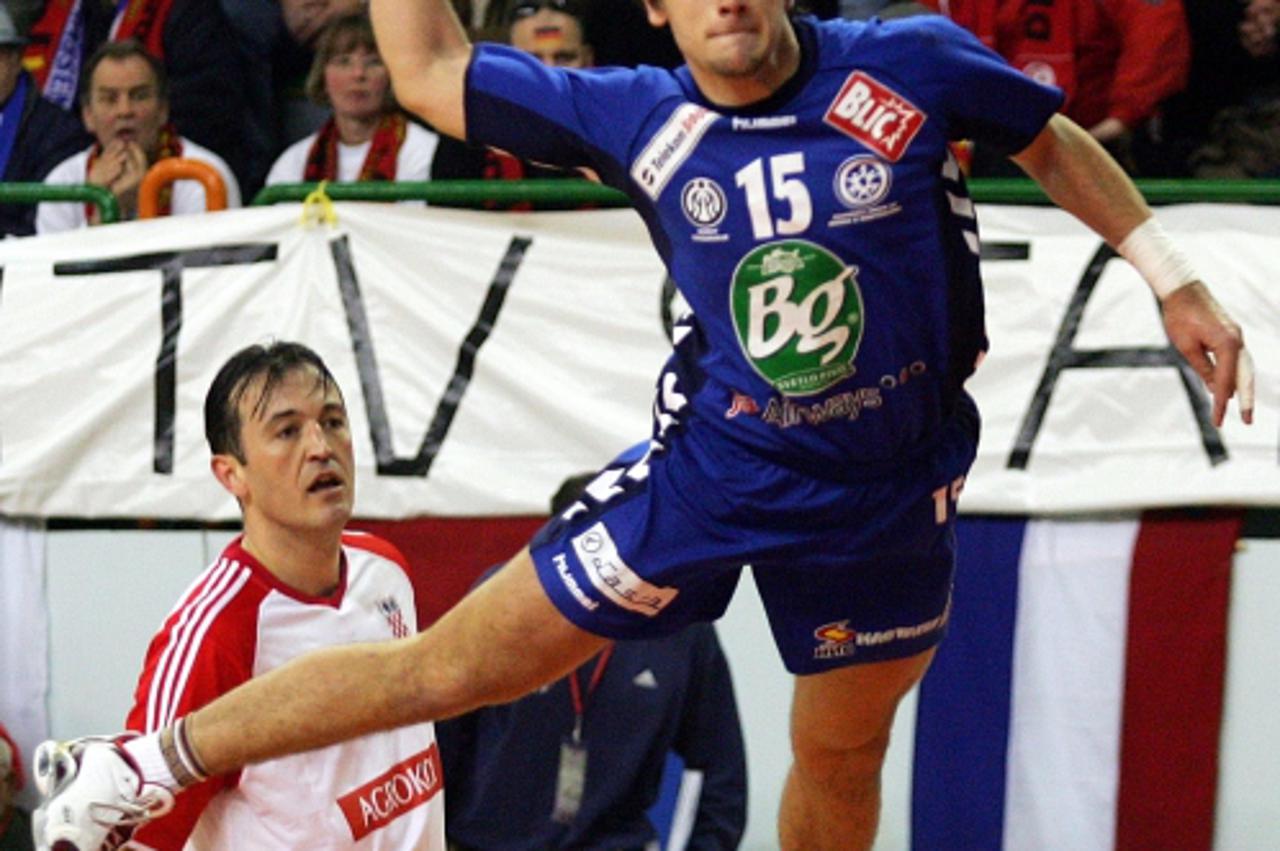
485 357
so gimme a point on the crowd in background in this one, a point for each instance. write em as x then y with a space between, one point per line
1174 88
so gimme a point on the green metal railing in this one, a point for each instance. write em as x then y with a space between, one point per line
34 193
471 193
543 193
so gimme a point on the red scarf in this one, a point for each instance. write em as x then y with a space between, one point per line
379 163
140 19
1037 38
168 145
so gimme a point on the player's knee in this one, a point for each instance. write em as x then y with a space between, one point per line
834 762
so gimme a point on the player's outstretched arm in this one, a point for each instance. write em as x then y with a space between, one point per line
502 640
426 51
1081 177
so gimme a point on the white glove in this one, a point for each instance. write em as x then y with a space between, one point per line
92 795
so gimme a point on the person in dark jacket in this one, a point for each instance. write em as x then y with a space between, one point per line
579 763
34 134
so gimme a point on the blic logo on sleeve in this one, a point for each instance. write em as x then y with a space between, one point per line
875 115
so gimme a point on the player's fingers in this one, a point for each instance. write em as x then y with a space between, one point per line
1223 383
1244 385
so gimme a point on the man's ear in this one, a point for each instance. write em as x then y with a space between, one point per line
657 15
228 470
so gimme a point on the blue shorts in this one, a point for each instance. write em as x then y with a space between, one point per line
849 573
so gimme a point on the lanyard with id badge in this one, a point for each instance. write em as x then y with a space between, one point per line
572 775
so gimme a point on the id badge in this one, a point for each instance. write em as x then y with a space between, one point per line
570 780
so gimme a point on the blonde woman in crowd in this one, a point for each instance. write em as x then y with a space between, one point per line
367 137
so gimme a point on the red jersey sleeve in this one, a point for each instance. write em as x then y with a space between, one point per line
205 648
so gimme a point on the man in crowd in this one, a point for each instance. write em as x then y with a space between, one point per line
125 105
190 38
812 422
34 134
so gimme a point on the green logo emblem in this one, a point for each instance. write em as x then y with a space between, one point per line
798 313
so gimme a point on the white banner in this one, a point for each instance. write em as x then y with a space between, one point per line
486 356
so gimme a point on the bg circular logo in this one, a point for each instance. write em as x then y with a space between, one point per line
862 181
798 314
703 202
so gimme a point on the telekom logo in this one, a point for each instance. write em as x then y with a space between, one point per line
402 787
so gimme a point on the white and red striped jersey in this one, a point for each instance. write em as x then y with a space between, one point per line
237 621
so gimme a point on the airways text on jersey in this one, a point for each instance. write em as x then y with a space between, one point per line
402 787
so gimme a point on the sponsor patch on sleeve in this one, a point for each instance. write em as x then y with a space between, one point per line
670 147
614 578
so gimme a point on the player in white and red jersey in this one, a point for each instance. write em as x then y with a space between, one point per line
238 621
294 582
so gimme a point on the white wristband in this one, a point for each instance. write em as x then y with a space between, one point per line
1150 250
146 754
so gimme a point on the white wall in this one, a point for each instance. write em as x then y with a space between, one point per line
108 591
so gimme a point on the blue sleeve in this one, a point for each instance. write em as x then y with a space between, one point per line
982 96
710 741
562 117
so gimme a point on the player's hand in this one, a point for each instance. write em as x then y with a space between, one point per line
1214 346
91 796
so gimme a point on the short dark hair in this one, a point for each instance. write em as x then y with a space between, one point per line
118 51
222 403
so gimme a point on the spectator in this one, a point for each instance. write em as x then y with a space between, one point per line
553 31
15 822
1240 138
366 137
1225 79
191 38
277 427
34 134
1258 29
125 105
1115 59
276 44
589 750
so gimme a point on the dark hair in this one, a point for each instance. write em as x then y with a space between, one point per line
341 35
118 51
274 362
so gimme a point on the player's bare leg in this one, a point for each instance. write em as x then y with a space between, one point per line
501 641
840 724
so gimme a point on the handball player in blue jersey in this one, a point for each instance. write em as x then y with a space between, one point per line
797 180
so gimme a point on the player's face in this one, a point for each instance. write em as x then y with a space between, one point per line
357 83
124 103
299 470
726 38
553 37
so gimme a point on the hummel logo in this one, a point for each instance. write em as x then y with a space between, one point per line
646 679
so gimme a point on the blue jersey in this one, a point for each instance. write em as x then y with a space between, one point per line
823 237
